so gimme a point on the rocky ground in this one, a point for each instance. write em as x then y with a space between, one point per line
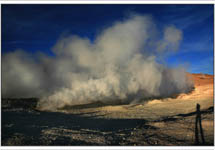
158 122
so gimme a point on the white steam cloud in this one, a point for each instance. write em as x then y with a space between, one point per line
119 66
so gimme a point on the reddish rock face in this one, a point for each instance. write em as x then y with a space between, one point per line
201 79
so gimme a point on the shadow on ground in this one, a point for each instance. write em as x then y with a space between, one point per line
31 124
23 125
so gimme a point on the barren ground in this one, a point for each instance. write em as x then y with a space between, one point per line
158 122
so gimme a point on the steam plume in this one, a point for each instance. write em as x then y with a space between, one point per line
118 66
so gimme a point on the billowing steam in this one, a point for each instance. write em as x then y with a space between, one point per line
119 66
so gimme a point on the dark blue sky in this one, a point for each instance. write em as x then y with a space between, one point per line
38 27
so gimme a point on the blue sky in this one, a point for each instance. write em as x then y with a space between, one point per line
37 27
